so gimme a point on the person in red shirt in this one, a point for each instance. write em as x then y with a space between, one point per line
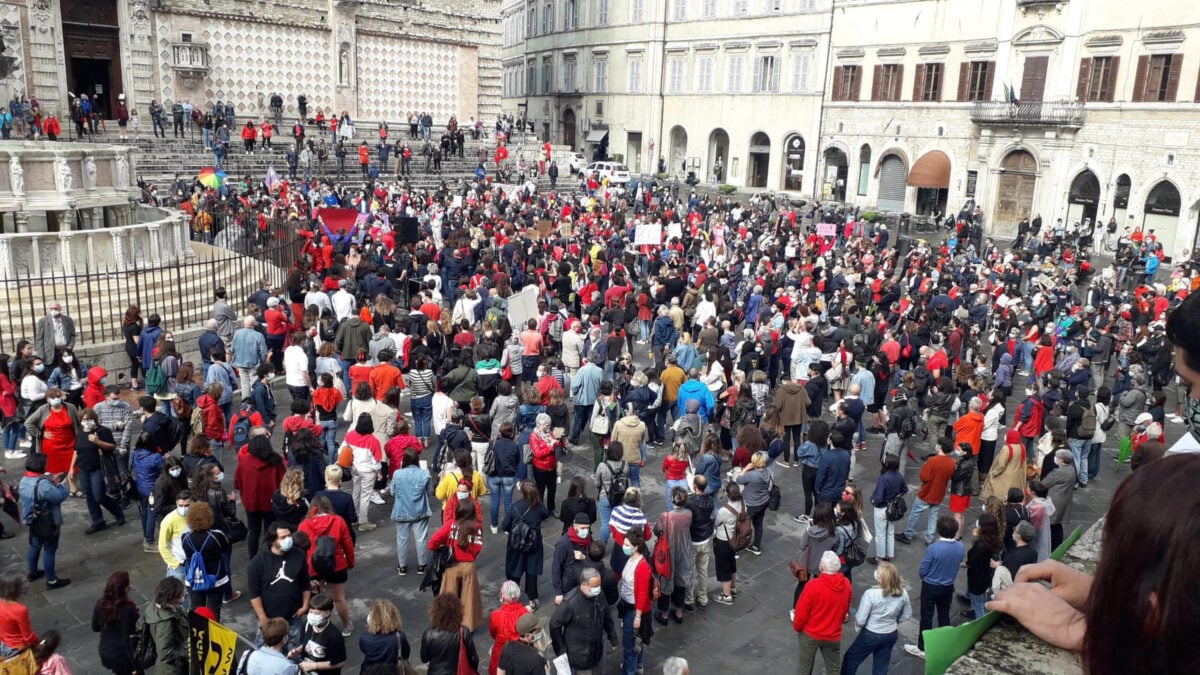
364 158
300 419
323 522
16 631
360 372
935 479
267 131
277 330
385 375
465 541
675 467
249 136
256 479
819 612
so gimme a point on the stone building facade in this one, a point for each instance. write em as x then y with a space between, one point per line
1064 108
376 59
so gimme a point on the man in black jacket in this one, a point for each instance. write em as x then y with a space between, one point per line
580 623
702 507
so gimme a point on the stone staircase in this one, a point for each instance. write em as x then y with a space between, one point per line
159 161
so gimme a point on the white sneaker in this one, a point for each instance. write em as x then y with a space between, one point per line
1175 419
495 530
24 443
914 651
376 499
15 454
792 615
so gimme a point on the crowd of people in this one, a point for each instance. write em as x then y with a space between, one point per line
525 362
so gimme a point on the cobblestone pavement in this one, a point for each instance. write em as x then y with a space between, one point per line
753 634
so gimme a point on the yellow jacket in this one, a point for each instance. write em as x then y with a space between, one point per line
449 484
174 526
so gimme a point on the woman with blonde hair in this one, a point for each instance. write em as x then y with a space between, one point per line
756 485
384 643
880 612
288 504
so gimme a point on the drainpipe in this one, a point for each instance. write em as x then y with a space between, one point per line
821 118
662 86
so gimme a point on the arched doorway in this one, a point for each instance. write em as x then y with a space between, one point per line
864 169
1083 198
568 128
91 39
1161 218
678 151
1014 191
833 182
931 176
893 182
793 163
1121 200
718 155
760 160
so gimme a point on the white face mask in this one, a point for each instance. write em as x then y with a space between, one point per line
176 472
182 510
583 531
68 359
317 619
593 591
88 425
286 543
56 401
220 476
463 495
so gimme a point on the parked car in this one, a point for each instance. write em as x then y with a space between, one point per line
614 172
576 161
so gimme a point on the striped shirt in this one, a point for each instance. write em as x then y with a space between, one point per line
625 518
116 417
420 383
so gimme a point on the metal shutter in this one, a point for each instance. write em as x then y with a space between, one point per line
892 182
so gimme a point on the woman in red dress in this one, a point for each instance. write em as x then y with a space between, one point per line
55 425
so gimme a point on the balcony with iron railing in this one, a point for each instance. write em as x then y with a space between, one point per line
1028 113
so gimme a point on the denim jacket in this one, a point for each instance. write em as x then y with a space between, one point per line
47 493
411 487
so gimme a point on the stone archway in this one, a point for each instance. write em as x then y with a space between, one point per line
793 163
1083 198
678 155
718 154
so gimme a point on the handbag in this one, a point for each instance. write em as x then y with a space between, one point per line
600 424
403 667
41 521
853 553
800 571
464 663
235 530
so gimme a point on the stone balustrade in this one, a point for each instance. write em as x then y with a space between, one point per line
156 238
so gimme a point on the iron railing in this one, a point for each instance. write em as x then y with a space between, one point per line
1029 113
182 293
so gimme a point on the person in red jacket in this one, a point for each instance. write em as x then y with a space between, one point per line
636 620
257 478
364 158
543 444
818 616
267 132
51 127
212 418
94 392
465 541
249 135
323 522
256 420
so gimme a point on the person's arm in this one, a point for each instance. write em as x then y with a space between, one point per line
864 610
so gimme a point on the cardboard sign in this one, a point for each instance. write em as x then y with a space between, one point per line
648 235
826 229
522 306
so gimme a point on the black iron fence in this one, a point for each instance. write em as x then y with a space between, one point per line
182 294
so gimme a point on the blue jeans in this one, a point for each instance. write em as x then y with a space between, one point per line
635 475
631 662
418 530
46 548
921 506
605 515
1079 448
13 433
92 484
660 420
346 363
978 600
501 488
148 520
583 413
673 484
422 412
329 430
875 645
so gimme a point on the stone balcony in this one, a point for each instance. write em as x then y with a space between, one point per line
189 60
1066 114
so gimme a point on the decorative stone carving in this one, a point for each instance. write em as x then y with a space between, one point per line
40 10
139 16
16 175
121 180
89 172
6 263
62 174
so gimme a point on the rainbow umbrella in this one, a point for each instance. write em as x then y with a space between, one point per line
210 177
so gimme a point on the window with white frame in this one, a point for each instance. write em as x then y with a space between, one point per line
547 75
601 80
570 15
772 6
637 9
602 12
678 10
801 69
530 78
704 74
531 20
708 9
807 4
547 18
634 75
569 74
741 7
676 71
735 71
766 73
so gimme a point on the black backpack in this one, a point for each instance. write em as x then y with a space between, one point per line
324 560
618 483
523 538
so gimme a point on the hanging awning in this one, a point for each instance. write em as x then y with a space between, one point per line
931 171
596 135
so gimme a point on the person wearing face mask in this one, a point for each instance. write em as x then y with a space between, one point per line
570 553
91 446
32 393
54 332
521 656
167 619
55 428
70 375
636 600
528 509
170 536
278 581
322 648
580 624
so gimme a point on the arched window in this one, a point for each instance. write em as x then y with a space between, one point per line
793 162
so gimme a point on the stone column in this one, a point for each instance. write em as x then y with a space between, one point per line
6 263
156 256
64 251
118 247
97 218
22 219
